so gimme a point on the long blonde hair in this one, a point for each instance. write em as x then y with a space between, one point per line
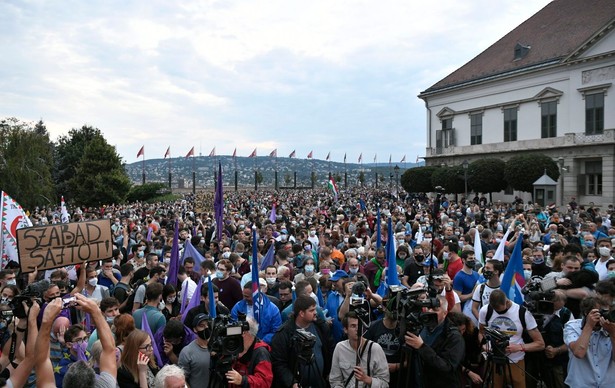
131 352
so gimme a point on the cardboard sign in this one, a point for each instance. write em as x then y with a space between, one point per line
53 246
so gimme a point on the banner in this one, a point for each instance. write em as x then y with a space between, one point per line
53 246
13 218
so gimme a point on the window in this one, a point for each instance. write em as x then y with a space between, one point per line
476 129
447 124
510 124
548 122
594 114
593 177
445 137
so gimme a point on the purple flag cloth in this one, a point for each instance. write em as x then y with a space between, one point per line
174 265
268 259
145 327
195 300
219 204
212 301
191 251
273 215
150 230
81 356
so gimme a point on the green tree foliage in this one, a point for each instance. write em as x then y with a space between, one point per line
69 151
100 177
450 178
487 175
418 179
147 192
361 178
523 170
26 157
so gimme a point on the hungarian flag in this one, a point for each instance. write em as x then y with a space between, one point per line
328 156
141 151
13 218
292 154
213 152
168 153
274 153
253 154
333 187
310 155
360 157
235 153
191 153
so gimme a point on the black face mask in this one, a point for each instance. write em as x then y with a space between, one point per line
419 258
204 334
487 274
471 264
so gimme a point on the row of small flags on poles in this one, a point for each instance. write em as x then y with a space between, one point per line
272 154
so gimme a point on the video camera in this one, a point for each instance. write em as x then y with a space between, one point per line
304 342
408 308
498 342
226 338
32 293
539 297
358 303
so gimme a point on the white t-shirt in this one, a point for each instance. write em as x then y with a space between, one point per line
510 325
476 297
601 268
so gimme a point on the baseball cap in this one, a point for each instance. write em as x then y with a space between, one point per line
199 318
337 275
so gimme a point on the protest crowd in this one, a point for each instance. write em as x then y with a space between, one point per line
301 289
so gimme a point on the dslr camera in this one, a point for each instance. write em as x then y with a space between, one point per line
226 338
408 307
32 293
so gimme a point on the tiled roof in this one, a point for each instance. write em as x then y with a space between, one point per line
554 32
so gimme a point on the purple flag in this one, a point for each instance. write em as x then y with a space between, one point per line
378 231
212 300
195 300
150 230
256 294
174 265
219 204
268 259
145 327
272 216
190 251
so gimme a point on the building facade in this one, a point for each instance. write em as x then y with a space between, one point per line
546 87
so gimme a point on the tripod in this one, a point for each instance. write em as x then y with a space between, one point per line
218 369
497 365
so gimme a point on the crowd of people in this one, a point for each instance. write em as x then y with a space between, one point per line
323 317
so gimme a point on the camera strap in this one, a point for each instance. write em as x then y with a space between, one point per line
13 346
369 359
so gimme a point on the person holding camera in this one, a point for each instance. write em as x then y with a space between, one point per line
511 320
591 341
288 370
252 368
437 351
358 361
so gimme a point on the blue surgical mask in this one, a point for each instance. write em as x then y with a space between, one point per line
219 274
309 268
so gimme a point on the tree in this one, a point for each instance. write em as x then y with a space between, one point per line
147 192
361 178
450 178
523 170
69 152
487 175
418 179
26 157
100 177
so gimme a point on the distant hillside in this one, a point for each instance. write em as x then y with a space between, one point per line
157 170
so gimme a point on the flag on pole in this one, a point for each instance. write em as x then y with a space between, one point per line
328 156
499 253
375 157
360 157
253 154
212 299
191 251
417 158
333 188
174 264
213 152
390 156
257 303
274 153
513 280
13 218
478 247
344 157
403 159
168 153
219 204
391 278
141 151
378 229
195 300
145 327
64 216
310 155
235 153
190 153
269 258
292 154
272 215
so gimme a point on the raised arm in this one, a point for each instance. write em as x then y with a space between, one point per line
44 369
19 377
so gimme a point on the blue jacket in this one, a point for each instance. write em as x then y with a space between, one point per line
270 318
332 306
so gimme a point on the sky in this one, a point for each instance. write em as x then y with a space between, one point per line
338 76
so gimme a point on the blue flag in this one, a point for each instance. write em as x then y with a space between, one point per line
513 280
212 301
391 278
268 259
190 251
174 265
378 230
219 204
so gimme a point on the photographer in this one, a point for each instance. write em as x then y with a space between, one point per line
358 359
252 367
288 371
591 341
511 319
439 350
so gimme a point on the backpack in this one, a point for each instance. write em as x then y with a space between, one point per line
131 298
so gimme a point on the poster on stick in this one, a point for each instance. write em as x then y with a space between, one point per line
53 246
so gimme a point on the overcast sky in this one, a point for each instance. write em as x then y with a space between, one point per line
337 76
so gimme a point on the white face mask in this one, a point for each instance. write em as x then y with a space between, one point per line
93 282
271 280
604 251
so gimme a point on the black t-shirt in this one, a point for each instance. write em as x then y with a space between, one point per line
386 338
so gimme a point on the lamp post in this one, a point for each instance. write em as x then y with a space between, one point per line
396 168
560 162
465 178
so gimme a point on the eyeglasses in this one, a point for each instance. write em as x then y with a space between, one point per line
147 347
79 340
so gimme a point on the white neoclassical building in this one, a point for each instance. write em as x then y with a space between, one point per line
545 87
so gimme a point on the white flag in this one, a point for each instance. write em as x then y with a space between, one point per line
13 218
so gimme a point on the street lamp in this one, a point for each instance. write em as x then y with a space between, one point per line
465 164
560 162
396 168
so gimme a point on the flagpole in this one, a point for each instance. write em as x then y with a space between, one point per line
235 164
255 172
193 176
170 178
143 167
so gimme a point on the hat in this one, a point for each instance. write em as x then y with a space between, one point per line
199 318
262 282
337 275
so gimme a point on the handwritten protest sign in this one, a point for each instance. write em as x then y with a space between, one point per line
53 246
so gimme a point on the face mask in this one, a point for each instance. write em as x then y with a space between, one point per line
445 255
419 258
610 274
457 233
527 274
487 274
11 282
325 271
307 248
167 260
353 271
312 233
4 300
159 252
219 274
589 244
200 235
204 334
160 305
271 280
471 264
401 241
93 282
604 251
498 240
110 320
309 268
171 300
461 244
80 347
539 261
202 242
141 254
427 239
